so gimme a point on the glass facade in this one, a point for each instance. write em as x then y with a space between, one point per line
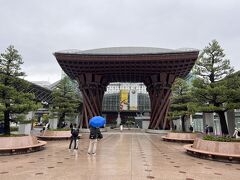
144 103
198 122
111 102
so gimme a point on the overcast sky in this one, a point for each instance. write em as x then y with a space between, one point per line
37 28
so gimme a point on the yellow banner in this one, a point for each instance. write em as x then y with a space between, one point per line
123 100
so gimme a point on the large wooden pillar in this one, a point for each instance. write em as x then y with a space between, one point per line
92 87
159 89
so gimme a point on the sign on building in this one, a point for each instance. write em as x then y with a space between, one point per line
123 100
133 100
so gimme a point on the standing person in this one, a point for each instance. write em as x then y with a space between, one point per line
206 129
190 128
95 134
121 127
74 137
175 127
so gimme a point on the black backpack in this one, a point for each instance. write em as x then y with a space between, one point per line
99 135
93 133
75 132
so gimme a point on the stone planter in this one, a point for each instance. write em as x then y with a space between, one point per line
19 145
180 137
55 135
214 149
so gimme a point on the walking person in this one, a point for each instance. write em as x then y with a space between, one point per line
45 128
95 135
74 137
236 133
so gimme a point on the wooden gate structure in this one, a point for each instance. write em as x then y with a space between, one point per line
157 68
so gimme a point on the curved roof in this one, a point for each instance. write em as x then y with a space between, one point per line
126 51
126 64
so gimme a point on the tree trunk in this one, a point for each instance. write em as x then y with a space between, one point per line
223 123
61 120
183 123
6 122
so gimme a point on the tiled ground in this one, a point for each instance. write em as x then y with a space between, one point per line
127 156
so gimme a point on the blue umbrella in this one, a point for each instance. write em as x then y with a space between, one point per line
97 121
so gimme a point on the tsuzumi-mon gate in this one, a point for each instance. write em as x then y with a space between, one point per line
157 68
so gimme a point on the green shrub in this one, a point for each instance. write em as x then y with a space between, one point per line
26 122
220 138
14 128
45 118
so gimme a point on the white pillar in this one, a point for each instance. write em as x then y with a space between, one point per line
208 119
53 123
24 129
77 119
230 119
145 124
191 119
30 115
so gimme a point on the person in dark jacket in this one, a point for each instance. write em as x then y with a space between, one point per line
74 137
95 134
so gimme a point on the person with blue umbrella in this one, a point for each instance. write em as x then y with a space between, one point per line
95 134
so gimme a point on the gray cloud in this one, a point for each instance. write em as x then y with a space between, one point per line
39 28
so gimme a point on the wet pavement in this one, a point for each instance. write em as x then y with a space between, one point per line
127 156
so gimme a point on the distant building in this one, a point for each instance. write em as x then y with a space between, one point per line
128 99
45 84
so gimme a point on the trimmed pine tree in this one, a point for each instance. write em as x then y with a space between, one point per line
13 99
209 88
181 96
66 100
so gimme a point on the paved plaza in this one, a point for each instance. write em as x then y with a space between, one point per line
129 156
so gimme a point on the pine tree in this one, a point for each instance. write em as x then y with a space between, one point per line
181 96
232 94
66 100
13 100
209 88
